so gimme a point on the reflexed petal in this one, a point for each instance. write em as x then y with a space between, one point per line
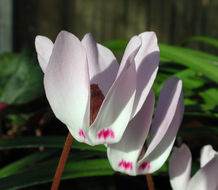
166 109
115 111
44 48
180 167
133 45
108 69
160 153
102 63
92 54
67 84
207 153
127 150
147 61
206 178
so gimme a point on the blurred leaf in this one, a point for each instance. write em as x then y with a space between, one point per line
45 141
185 57
189 102
205 56
190 79
75 155
210 98
197 131
116 45
84 168
207 40
18 165
20 79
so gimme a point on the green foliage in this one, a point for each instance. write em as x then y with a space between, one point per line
20 79
73 169
203 39
47 142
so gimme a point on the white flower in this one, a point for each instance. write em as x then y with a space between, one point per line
86 88
129 155
180 169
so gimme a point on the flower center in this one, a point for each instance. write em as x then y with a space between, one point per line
96 100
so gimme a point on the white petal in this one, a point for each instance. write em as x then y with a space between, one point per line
206 178
147 61
108 67
127 150
103 66
67 84
134 43
166 109
115 111
180 167
44 48
160 153
207 154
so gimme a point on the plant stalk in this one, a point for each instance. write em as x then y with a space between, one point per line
150 182
62 162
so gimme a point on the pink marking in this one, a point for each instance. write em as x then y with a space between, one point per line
121 163
81 134
106 134
144 166
125 165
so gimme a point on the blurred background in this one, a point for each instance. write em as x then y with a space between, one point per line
172 20
31 138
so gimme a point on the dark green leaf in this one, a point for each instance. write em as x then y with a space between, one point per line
85 168
46 141
196 131
210 98
18 165
20 79
207 40
185 57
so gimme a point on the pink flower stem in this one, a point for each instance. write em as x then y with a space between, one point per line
62 162
150 182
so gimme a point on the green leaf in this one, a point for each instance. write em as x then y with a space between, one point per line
45 141
116 45
18 165
207 40
84 168
190 79
210 98
185 57
196 131
20 79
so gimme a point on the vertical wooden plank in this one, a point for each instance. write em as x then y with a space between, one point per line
49 17
24 27
6 25
172 20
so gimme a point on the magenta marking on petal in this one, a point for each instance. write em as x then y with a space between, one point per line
100 133
81 134
144 166
125 165
106 134
121 163
111 133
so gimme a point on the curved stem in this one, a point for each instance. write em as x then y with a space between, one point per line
150 182
62 162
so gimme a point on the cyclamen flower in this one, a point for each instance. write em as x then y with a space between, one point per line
130 155
180 169
86 88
